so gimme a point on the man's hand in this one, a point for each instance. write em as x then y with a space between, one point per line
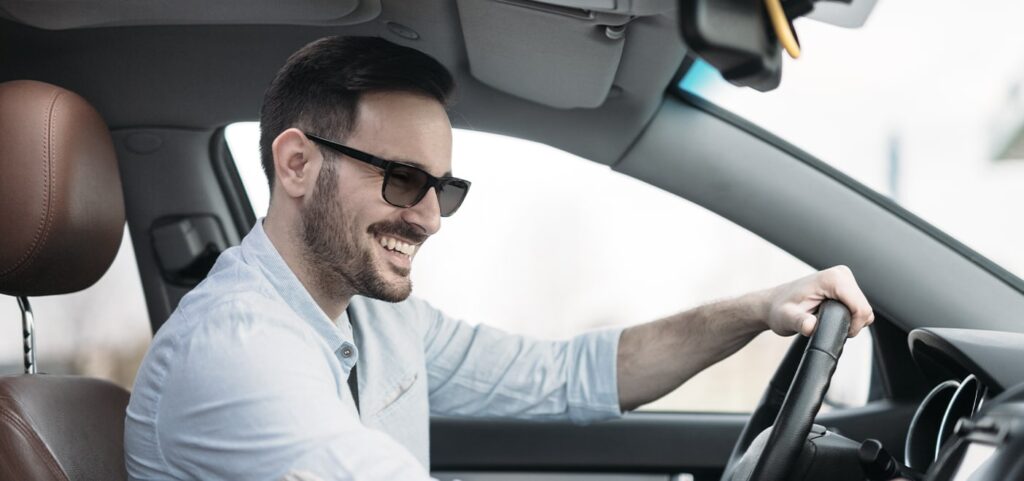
791 307
654 358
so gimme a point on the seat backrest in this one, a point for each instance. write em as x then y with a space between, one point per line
61 428
62 218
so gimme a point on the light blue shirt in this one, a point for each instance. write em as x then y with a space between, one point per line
248 380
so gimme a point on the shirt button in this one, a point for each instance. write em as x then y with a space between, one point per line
346 352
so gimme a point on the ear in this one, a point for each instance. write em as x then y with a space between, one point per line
296 163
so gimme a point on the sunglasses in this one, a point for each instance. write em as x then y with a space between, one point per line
405 185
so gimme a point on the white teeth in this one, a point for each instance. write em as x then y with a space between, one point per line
398 246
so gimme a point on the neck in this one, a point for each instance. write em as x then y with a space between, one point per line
286 239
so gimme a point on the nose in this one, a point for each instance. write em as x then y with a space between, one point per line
426 214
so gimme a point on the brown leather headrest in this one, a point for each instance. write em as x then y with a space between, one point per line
61 206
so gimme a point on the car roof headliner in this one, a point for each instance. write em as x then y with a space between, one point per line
206 76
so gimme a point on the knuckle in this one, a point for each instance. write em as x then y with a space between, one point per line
830 276
842 270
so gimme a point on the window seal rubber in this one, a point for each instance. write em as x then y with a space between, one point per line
242 215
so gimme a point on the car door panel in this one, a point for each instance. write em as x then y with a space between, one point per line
696 444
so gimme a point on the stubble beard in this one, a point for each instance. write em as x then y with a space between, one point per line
340 266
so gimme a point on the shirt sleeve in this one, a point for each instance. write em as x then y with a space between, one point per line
257 401
481 371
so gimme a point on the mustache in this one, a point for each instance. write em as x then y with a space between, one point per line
397 229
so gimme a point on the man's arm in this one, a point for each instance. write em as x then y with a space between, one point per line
481 371
655 358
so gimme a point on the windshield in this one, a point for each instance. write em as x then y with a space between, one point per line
924 104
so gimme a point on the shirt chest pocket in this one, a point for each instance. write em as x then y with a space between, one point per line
397 395
404 415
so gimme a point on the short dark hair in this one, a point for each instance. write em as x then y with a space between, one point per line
319 87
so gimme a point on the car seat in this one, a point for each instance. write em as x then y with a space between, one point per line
62 218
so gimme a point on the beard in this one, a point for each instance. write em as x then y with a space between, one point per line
340 265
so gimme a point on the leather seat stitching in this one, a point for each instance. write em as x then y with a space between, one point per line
43 229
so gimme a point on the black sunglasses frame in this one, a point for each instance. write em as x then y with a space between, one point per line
438 183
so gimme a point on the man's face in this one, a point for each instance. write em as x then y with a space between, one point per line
355 242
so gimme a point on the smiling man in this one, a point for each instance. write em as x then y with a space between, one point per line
303 352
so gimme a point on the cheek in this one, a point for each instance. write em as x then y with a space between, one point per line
362 205
360 192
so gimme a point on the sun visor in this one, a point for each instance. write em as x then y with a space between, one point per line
556 55
62 14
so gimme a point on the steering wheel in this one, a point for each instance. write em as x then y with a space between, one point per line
774 437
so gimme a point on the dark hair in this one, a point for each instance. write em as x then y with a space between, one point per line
318 88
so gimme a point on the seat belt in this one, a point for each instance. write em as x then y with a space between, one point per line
353 375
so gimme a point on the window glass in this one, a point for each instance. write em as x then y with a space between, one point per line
924 104
102 331
550 245
243 139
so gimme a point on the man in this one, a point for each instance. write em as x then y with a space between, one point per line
302 352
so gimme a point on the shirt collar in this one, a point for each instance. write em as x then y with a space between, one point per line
257 248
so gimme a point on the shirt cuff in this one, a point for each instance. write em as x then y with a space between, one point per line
594 390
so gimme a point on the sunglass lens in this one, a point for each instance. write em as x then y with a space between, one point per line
404 185
451 195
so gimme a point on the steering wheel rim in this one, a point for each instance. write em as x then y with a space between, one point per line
790 401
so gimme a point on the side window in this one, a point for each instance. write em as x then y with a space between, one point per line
550 245
102 331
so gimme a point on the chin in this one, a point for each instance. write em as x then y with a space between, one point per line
393 292
401 287
389 286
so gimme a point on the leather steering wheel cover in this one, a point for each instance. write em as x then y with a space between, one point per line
806 391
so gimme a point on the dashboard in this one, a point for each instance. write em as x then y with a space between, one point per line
970 426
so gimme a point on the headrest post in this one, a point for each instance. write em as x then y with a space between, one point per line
27 330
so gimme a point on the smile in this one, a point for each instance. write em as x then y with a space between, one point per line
395 245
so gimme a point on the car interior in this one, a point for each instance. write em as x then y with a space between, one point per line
114 113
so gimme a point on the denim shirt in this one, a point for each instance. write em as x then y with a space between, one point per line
248 380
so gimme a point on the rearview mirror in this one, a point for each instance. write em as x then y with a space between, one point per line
741 38
734 37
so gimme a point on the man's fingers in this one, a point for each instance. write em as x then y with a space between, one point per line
807 324
844 288
794 311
